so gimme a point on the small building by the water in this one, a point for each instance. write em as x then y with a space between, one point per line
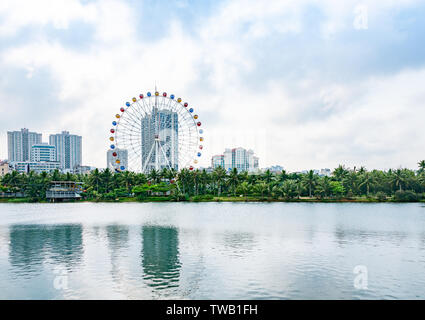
64 190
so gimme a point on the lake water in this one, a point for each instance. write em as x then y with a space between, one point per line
212 251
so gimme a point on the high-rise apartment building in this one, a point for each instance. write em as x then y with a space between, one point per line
239 158
19 144
43 152
68 149
121 155
161 125
217 161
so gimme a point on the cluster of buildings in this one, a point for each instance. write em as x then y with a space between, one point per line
239 158
27 152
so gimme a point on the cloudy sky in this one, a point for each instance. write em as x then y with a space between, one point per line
304 83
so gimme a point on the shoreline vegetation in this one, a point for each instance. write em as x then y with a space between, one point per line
343 185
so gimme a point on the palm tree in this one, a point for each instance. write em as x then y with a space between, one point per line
163 173
310 180
13 179
260 188
106 180
233 180
277 191
204 180
324 187
282 176
171 174
398 178
244 188
299 184
44 183
94 179
140 178
362 170
128 179
154 176
367 180
244 176
56 175
352 182
340 173
183 179
289 188
219 176
421 165
421 179
196 176
268 176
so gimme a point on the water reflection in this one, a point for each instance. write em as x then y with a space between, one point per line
344 236
160 256
238 243
118 237
31 245
276 251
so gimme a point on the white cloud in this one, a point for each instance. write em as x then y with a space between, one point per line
59 13
305 121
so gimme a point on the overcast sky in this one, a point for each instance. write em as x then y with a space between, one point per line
304 83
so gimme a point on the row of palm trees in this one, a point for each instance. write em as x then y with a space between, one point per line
344 182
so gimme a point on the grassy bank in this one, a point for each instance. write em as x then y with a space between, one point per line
218 199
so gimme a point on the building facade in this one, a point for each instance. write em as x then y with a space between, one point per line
121 154
276 169
19 144
161 125
4 168
217 161
239 158
43 153
83 169
27 166
68 150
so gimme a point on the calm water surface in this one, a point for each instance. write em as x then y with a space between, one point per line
211 251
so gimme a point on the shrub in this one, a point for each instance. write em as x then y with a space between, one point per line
381 196
109 196
405 196
206 197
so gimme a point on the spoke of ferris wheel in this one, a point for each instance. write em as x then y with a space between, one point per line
130 120
129 149
133 144
148 158
134 163
147 102
130 142
177 107
134 117
165 157
144 105
135 113
128 126
142 109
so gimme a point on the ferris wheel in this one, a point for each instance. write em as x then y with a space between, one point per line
155 131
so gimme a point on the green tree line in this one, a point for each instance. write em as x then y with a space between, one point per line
344 183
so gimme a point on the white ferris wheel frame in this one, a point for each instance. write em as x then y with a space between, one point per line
127 130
